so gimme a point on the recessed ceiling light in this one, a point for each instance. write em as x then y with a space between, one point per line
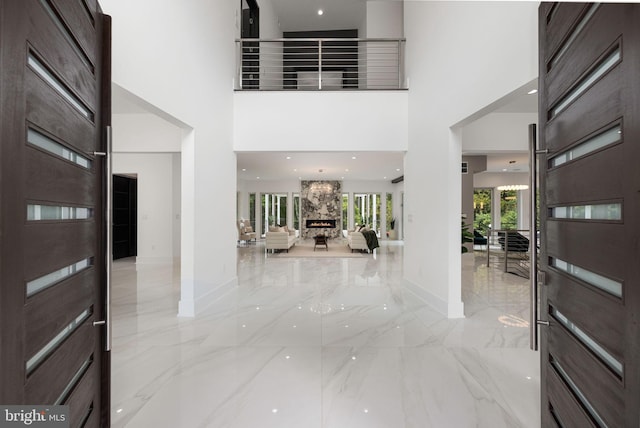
398 169
244 169
257 178
384 178
353 157
504 169
533 91
346 170
288 157
320 12
295 170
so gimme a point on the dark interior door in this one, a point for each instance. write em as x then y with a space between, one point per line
125 217
54 89
590 188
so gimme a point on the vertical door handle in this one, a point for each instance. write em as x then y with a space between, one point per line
109 246
108 222
533 241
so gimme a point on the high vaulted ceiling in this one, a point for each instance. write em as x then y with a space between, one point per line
302 15
297 15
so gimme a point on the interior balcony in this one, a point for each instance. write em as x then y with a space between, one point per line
320 64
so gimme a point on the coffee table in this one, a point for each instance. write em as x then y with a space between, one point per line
320 240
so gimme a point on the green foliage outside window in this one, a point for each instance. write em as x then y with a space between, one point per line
508 209
482 209
389 215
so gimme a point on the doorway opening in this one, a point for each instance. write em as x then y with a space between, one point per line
250 29
125 216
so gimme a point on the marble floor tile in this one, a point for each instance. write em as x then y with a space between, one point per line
322 343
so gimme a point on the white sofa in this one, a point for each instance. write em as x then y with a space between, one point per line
280 240
356 241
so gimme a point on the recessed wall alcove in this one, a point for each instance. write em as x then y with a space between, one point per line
320 200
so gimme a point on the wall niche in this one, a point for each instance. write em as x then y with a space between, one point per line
321 200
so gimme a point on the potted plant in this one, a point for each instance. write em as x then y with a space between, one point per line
393 233
466 237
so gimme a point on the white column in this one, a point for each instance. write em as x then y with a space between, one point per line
496 216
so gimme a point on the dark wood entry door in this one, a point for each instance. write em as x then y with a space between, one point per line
54 90
590 214
125 217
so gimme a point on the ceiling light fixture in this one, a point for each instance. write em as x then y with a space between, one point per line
533 91
353 157
288 157
320 12
513 187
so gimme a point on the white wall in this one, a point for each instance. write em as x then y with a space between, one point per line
461 56
144 133
498 132
146 145
270 53
155 203
385 19
176 193
182 61
269 23
327 121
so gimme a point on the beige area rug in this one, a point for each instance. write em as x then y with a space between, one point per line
304 248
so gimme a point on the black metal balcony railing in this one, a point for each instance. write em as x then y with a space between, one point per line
320 64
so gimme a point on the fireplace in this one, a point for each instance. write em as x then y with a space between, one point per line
320 224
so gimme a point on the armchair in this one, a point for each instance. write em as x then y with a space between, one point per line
245 232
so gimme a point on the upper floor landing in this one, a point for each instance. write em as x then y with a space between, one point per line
317 64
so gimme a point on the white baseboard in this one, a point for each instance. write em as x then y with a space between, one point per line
194 307
447 309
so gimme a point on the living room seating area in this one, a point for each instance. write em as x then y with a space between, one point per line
280 238
362 239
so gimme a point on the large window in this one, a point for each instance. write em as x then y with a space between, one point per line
252 210
345 211
389 213
481 209
296 211
508 209
366 210
274 210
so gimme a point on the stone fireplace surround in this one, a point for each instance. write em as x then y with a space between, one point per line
320 200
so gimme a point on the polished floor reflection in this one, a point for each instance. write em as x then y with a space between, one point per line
322 343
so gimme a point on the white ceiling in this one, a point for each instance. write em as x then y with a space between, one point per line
307 165
508 162
302 15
